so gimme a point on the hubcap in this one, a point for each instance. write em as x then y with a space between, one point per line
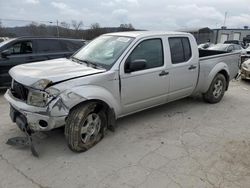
90 128
218 87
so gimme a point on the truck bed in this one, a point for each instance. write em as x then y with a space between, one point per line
205 53
208 59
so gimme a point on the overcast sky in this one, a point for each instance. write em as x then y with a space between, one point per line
143 14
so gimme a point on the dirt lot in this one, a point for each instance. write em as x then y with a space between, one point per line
186 143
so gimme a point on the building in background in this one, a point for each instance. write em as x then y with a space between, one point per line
224 34
206 34
202 35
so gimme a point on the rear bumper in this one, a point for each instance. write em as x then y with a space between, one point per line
37 118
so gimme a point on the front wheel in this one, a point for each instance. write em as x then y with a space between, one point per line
85 127
216 90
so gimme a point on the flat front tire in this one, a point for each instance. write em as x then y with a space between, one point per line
84 127
216 90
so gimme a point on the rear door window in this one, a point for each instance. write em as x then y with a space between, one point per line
180 49
22 47
49 46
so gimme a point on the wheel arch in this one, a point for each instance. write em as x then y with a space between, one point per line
226 75
93 94
101 105
220 68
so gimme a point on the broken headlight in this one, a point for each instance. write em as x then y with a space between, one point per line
37 98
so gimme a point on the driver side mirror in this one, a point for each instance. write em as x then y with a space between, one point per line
5 53
136 65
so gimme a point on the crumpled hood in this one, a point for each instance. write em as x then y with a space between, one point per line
54 70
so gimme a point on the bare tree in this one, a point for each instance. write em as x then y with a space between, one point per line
33 28
127 26
65 25
76 25
95 26
130 26
65 29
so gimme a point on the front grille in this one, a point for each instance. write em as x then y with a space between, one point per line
19 91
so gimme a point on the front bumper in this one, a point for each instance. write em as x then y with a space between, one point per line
245 73
38 118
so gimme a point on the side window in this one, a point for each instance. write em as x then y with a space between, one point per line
151 50
49 46
72 45
23 47
180 49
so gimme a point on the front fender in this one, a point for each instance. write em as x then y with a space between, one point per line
80 94
215 70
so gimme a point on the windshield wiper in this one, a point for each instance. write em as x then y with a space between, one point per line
87 62
92 64
77 60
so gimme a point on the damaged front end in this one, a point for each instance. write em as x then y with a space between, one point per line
34 109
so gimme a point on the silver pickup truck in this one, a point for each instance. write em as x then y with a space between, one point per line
113 76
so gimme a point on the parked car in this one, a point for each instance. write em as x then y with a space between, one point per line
228 48
245 70
205 45
238 42
31 49
113 76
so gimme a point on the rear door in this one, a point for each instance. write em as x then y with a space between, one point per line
183 69
20 52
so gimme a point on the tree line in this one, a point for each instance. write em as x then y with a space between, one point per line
74 29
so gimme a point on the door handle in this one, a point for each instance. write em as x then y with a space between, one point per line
192 67
163 73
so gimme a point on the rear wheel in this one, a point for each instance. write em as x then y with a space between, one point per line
216 90
85 127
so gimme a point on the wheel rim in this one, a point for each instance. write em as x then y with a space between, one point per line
90 128
218 87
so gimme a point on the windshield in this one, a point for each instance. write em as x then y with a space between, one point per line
104 50
5 42
220 47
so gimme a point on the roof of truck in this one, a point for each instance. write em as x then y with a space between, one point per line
145 33
47 37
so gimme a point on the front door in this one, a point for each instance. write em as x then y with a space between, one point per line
148 87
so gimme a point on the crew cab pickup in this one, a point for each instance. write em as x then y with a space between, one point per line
113 76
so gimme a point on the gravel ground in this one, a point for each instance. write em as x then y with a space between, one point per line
187 143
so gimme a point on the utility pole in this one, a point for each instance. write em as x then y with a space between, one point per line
57 28
225 19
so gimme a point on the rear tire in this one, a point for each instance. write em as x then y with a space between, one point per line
85 127
216 90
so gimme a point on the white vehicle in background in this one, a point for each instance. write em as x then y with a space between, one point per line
205 45
228 48
245 70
